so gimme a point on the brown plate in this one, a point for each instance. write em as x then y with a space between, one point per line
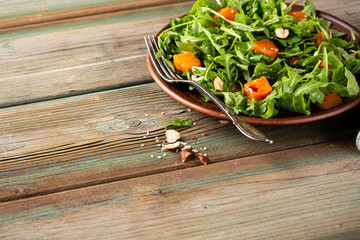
191 99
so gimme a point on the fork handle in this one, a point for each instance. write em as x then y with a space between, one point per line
244 127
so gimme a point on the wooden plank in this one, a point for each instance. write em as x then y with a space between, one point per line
308 192
56 59
59 61
78 11
84 140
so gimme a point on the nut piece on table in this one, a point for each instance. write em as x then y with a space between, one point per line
172 146
218 84
185 153
204 159
282 33
172 136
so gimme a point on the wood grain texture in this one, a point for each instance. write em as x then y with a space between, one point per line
309 192
78 58
92 52
80 117
80 141
25 13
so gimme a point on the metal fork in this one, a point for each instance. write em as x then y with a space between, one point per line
167 75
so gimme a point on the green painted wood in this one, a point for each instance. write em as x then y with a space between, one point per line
308 192
21 8
84 140
61 61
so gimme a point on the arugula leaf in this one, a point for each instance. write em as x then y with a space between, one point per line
179 123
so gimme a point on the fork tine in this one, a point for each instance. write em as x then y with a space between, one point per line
164 67
168 70
152 54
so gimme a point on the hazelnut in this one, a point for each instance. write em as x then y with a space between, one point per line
172 146
218 84
203 158
185 153
172 136
282 33
197 78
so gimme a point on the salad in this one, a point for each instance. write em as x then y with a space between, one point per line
260 56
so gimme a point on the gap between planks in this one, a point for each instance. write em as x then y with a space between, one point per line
168 169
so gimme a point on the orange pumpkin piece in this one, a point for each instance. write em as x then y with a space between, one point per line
266 47
184 61
258 88
330 101
228 13
299 15
320 38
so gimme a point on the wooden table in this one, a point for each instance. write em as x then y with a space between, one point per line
80 116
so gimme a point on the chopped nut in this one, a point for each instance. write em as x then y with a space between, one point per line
185 153
197 78
194 138
172 136
282 33
218 84
172 146
187 147
204 134
203 158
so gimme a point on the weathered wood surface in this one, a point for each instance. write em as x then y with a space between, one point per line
84 140
75 163
92 52
309 192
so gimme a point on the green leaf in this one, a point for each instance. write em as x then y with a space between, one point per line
180 123
352 86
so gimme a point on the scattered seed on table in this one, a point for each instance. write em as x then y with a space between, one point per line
141 145
159 157
162 113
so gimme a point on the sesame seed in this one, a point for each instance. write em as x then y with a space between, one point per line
159 145
189 109
141 145
156 137
158 156
146 114
147 133
194 123
164 154
205 148
144 136
152 156
157 140
205 154
127 126
162 113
